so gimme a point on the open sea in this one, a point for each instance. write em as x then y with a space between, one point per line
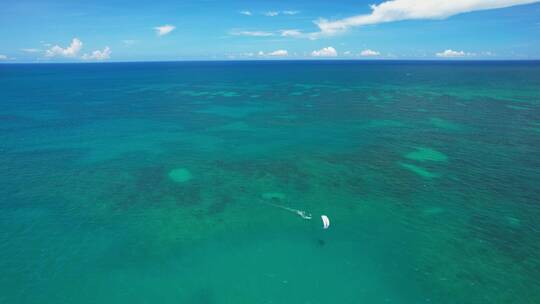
182 182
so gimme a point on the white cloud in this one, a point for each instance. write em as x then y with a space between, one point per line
368 53
31 50
271 13
396 10
3 57
278 53
70 51
290 33
451 53
290 12
347 53
164 29
247 13
252 33
98 55
325 52
283 33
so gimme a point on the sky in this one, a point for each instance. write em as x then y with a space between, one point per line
164 30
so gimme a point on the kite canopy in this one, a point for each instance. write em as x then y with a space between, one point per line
326 221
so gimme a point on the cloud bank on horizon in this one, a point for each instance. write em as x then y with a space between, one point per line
369 53
73 50
70 51
98 55
325 52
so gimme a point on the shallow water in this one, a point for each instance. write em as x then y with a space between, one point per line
161 182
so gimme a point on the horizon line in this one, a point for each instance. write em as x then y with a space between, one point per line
277 60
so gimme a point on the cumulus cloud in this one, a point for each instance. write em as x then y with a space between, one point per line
397 10
451 53
98 55
3 57
252 33
247 13
271 13
70 51
325 52
368 53
164 29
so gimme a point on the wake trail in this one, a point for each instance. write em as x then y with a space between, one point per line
305 215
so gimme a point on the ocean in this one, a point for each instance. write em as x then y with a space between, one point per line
183 182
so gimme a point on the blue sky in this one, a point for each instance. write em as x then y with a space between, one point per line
114 30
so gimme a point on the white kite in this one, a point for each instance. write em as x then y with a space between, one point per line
325 221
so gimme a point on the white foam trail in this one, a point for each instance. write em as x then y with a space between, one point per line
305 215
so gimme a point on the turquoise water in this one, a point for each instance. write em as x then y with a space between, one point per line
164 182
